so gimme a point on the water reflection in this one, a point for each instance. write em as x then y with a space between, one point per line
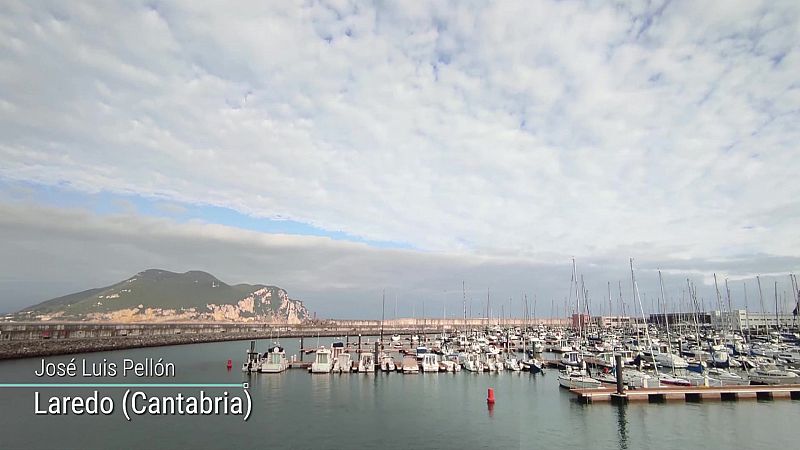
622 426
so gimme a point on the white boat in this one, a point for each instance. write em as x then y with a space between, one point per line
771 374
253 359
447 366
572 358
430 362
274 361
670 360
387 362
410 364
577 379
395 338
638 379
343 363
471 362
791 355
366 362
672 380
728 378
513 364
323 362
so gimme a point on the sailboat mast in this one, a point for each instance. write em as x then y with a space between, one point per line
646 326
777 317
383 314
464 293
761 300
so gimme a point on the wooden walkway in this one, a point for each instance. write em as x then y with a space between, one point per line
689 394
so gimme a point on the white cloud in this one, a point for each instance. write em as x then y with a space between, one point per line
530 129
50 251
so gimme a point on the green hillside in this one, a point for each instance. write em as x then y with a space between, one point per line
161 289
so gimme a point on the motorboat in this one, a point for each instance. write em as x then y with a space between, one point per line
532 365
366 363
343 363
274 361
387 362
512 364
471 362
572 359
410 364
323 363
430 362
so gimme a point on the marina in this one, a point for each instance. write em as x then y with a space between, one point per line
298 409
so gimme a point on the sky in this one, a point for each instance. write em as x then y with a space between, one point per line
340 149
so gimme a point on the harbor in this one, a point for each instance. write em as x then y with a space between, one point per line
295 409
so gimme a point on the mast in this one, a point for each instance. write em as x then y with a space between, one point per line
577 300
666 318
761 300
646 327
487 307
746 313
730 309
777 317
633 293
464 293
719 301
383 315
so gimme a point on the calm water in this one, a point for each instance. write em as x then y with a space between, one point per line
441 411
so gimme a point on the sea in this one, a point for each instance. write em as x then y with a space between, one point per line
298 410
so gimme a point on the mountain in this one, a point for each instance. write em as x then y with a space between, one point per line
160 295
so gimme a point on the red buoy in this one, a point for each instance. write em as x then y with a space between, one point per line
230 363
490 397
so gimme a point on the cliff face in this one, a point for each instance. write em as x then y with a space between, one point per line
162 296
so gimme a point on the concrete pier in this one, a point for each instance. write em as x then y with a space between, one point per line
688 394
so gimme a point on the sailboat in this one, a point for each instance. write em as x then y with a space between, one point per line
577 379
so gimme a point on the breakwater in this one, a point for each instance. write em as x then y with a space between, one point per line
31 339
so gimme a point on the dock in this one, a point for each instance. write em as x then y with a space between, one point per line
688 394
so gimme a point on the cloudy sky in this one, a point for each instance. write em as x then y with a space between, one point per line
337 149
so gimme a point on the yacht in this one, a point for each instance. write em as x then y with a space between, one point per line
366 363
672 380
577 379
409 364
571 358
728 378
772 374
471 362
532 365
274 361
670 360
387 362
343 363
638 379
323 362
513 364
430 362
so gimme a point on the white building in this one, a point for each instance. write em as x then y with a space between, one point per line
741 319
